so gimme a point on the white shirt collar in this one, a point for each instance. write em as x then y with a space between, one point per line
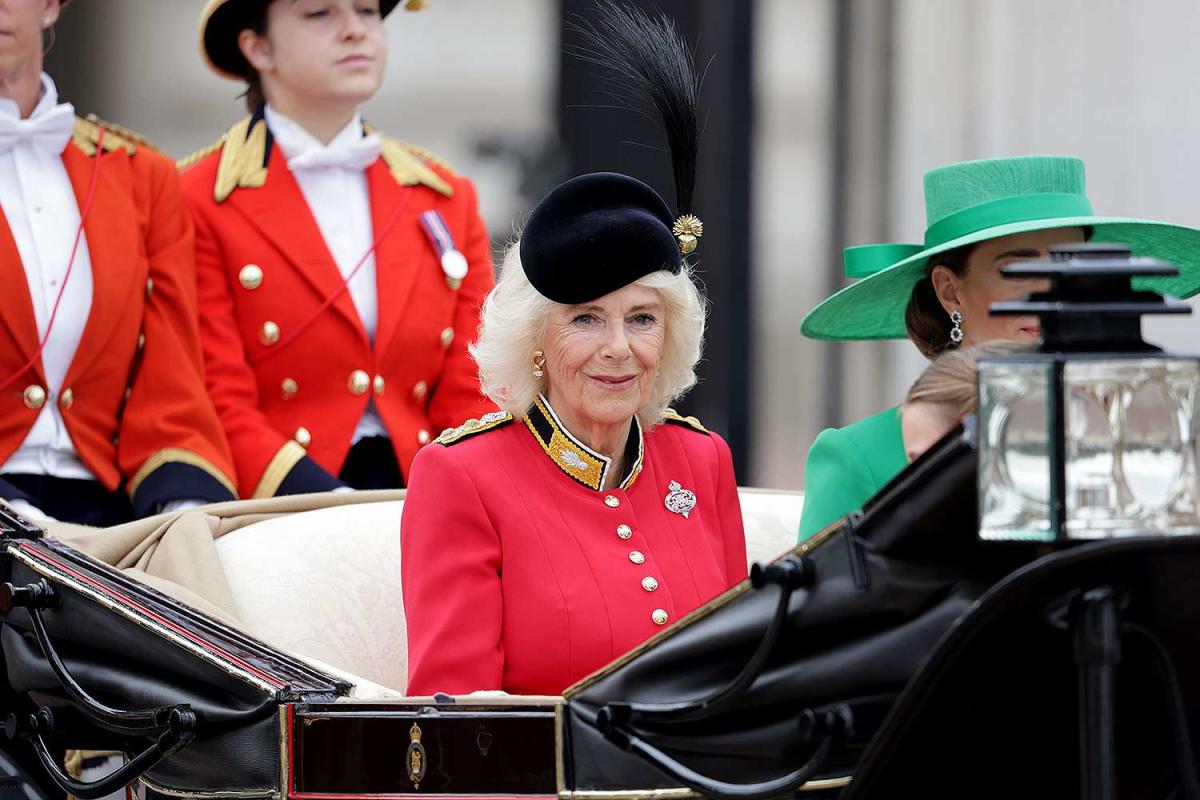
294 140
47 101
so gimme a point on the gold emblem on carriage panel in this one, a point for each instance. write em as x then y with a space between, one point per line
415 758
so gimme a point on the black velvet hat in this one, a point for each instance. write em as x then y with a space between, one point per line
599 232
596 233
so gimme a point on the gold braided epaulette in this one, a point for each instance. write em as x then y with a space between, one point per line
201 154
426 155
409 165
86 136
472 427
675 418
243 162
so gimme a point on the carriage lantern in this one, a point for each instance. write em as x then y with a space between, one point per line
1094 434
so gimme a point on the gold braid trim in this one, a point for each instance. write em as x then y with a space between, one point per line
408 164
201 154
472 427
86 135
288 456
674 417
242 159
178 455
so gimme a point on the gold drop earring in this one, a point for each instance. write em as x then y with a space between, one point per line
539 364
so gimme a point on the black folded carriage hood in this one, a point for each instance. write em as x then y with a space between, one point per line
104 662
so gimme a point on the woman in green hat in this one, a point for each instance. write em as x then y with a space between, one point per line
982 216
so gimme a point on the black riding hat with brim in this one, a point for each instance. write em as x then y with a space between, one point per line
223 20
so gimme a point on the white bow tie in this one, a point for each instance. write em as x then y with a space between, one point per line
355 155
48 132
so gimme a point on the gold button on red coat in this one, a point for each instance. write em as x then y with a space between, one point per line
659 616
380 385
637 558
420 390
34 396
250 277
303 437
289 388
624 531
358 382
612 501
423 437
269 334
447 338
649 584
66 399
149 286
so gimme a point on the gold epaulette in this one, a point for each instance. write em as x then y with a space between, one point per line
87 135
409 165
243 159
198 156
426 155
675 418
473 427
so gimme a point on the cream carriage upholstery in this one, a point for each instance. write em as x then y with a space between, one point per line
331 591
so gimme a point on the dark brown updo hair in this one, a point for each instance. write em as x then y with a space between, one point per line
927 322
256 20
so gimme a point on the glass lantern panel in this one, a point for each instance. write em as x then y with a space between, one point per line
1014 449
1131 449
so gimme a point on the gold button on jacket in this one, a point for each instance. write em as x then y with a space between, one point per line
358 382
269 334
34 396
66 399
250 276
303 437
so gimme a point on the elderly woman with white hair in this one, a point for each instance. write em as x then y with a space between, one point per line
547 539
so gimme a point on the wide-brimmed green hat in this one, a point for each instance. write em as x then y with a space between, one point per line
979 200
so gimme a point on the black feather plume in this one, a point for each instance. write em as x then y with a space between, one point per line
656 75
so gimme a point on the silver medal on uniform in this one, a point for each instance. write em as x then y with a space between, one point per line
679 500
454 264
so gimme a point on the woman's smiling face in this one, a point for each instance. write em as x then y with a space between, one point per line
602 357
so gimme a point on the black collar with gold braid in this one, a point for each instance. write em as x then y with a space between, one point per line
575 458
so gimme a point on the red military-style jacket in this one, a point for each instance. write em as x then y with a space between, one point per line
520 574
133 401
291 373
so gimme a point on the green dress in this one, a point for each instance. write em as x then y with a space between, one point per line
847 466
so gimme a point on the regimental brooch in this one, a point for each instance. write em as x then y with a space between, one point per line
679 500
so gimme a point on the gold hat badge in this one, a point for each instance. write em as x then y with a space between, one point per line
687 231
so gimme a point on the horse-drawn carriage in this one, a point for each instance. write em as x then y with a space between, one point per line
900 652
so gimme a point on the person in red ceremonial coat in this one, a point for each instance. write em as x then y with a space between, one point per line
542 541
105 414
340 271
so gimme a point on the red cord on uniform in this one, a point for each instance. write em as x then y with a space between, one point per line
387 228
87 206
